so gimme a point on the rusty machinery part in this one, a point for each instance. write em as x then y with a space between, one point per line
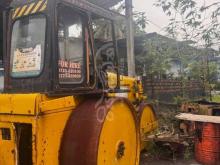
207 142
187 128
147 120
202 107
190 107
106 134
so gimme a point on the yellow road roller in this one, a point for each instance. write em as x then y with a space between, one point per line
64 101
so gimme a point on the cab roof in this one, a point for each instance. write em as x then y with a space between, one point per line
101 3
105 3
89 6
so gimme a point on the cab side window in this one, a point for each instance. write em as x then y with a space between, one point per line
71 46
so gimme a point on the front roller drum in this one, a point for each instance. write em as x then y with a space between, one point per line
101 134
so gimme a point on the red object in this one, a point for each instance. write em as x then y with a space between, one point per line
207 143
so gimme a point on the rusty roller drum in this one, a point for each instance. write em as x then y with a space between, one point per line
101 135
147 121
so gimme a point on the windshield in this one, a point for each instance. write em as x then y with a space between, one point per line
27 46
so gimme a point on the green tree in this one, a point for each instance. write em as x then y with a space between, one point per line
154 59
192 21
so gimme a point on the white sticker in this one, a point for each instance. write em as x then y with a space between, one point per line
125 93
28 59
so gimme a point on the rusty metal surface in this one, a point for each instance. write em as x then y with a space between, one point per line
81 136
191 110
201 108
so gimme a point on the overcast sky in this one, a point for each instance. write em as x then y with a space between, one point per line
158 20
154 14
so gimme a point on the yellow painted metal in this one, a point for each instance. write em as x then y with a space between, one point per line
36 7
48 123
49 131
29 9
135 94
48 117
119 132
7 147
16 12
58 104
132 85
148 123
50 128
22 10
19 103
44 6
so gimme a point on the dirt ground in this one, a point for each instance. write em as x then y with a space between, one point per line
145 161
161 162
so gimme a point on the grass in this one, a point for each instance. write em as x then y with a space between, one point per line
216 98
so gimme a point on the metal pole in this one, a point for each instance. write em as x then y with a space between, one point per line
130 38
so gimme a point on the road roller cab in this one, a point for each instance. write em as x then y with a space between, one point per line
64 102
50 48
